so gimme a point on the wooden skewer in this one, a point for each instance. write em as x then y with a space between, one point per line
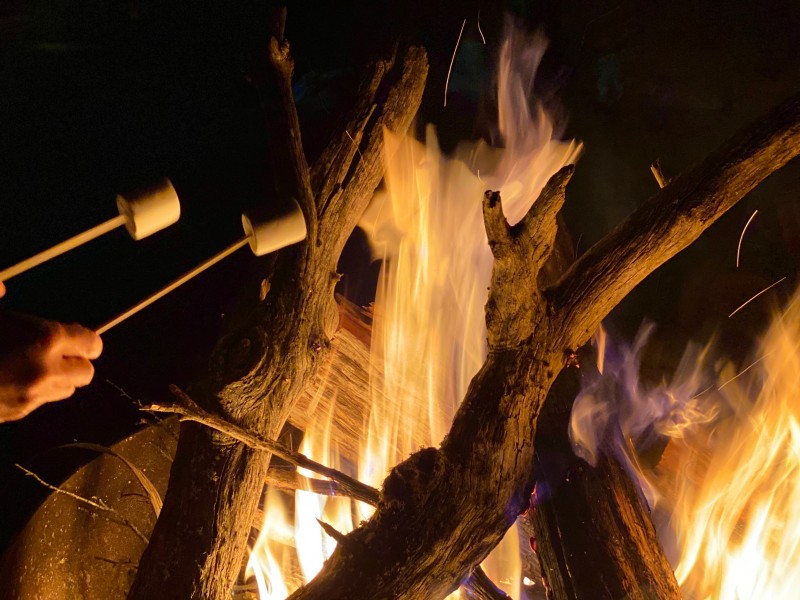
172 286
65 246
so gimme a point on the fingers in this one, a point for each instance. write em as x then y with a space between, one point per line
2 289
76 372
78 341
47 363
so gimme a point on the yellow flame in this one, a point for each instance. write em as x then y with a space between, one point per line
267 561
428 334
726 493
737 522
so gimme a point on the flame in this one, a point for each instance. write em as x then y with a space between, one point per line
428 334
268 558
726 493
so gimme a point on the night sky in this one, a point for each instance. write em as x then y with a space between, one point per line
101 96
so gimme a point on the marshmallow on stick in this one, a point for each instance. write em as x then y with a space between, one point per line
263 236
144 213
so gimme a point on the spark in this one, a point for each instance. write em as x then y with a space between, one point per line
355 144
479 28
453 60
741 237
743 371
766 289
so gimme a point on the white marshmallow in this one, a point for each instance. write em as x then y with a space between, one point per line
276 232
150 210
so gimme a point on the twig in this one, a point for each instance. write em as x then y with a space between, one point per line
452 61
765 290
292 481
480 31
99 505
188 410
741 237
655 169
337 535
153 419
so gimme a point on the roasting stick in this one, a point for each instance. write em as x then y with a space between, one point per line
263 237
172 286
61 248
145 213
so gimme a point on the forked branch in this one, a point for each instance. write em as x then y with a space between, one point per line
671 219
445 509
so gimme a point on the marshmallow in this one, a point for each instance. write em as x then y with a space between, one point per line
150 210
277 232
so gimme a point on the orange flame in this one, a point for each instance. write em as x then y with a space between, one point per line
726 494
428 334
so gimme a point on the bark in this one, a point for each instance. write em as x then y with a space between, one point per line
444 509
259 370
593 533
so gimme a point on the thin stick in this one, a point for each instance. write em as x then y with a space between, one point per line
291 480
188 410
741 237
766 289
655 169
337 535
172 286
98 505
452 61
59 249
483 37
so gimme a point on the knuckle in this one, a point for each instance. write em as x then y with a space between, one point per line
34 374
86 375
52 334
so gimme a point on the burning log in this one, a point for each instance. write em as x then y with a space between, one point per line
259 370
442 510
593 533
531 330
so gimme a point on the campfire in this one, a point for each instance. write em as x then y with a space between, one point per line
474 432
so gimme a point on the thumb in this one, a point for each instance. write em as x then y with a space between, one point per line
2 289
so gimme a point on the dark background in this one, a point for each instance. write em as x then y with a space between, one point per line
99 96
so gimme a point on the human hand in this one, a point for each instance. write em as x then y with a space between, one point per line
41 361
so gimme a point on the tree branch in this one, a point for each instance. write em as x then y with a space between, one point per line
188 410
343 198
444 510
520 252
291 481
672 219
293 177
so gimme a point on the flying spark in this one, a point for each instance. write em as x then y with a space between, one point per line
766 289
479 28
741 237
453 60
